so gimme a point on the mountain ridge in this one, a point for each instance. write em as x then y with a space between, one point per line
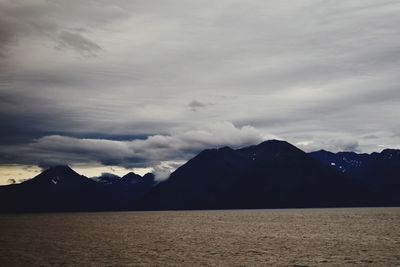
271 174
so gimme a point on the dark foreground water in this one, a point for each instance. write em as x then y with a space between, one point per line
311 237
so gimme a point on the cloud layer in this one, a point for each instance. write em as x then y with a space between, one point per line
138 83
162 153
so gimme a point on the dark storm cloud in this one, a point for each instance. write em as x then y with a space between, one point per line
117 82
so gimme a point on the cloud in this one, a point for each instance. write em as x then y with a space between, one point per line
78 42
371 136
163 169
161 152
333 145
347 145
6 37
194 105
56 22
124 76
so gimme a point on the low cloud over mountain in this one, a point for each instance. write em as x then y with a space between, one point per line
152 151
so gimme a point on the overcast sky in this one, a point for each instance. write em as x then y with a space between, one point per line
147 84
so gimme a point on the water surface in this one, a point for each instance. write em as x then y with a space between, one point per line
311 237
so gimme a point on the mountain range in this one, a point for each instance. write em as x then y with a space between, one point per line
273 174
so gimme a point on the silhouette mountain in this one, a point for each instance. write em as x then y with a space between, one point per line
273 174
129 189
140 183
60 188
380 172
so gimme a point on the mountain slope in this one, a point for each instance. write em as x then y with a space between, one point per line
379 171
56 189
273 174
60 188
129 189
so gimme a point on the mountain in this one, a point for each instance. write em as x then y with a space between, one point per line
273 174
380 172
60 188
129 189
56 189
106 178
138 182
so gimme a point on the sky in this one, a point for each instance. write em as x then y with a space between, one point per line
116 86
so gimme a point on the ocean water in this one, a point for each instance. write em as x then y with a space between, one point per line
302 237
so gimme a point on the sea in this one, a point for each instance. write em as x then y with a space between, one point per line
290 237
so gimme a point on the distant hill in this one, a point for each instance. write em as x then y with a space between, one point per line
273 174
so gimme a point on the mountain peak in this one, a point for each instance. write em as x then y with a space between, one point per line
149 176
131 178
60 169
271 147
58 175
131 175
225 148
274 143
322 151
